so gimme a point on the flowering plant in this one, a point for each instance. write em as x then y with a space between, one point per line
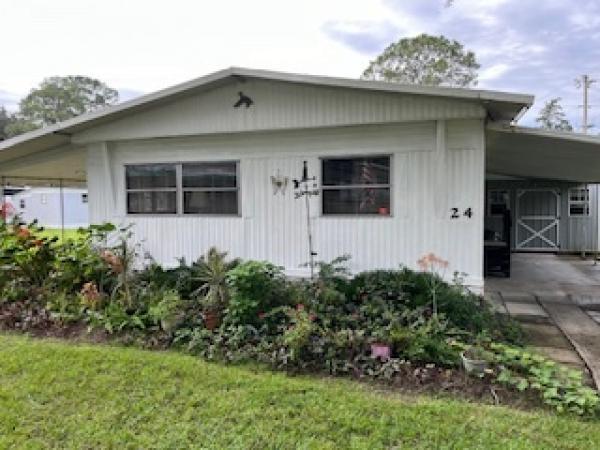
436 266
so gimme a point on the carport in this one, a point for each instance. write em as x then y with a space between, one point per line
30 163
546 179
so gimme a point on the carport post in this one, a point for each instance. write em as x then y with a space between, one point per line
3 197
62 210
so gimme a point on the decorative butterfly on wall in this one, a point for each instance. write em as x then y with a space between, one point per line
279 183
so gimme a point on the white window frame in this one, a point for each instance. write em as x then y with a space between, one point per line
84 198
585 202
179 189
389 185
506 192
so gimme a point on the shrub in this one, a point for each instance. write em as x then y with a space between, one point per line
558 386
79 261
256 288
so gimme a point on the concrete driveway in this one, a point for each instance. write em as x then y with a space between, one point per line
550 275
558 300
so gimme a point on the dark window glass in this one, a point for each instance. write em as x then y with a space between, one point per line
357 201
356 185
151 176
356 171
210 175
210 202
579 209
152 202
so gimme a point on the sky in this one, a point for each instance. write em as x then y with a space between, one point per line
529 46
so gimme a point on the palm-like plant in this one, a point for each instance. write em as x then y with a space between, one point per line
211 273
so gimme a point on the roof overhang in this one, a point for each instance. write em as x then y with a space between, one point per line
500 106
542 154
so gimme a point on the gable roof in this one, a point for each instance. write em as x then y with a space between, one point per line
500 106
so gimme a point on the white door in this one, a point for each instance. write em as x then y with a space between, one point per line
538 217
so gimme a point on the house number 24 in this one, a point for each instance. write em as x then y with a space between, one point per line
456 213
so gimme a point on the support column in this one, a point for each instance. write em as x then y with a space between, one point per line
62 210
441 186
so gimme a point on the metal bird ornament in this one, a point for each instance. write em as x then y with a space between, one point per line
244 100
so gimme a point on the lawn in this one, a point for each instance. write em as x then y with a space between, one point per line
59 395
57 232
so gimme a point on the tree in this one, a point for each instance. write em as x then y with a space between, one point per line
58 99
5 119
552 116
425 59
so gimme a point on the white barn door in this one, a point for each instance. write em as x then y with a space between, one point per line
538 218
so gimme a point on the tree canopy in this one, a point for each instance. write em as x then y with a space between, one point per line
553 117
425 59
5 119
58 99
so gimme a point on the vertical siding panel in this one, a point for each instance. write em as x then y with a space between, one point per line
273 226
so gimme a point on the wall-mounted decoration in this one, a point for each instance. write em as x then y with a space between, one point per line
303 189
244 100
279 183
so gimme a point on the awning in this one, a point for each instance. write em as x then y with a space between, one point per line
542 154
62 166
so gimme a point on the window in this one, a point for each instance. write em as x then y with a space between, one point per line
22 203
354 186
84 198
151 189
191 188
579 202
210 188
498 202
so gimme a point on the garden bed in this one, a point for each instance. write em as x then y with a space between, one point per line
405 329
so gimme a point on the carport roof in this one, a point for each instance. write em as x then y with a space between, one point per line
542 154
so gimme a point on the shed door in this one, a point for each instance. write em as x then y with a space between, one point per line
538 216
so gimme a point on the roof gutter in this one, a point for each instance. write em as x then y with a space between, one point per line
519 116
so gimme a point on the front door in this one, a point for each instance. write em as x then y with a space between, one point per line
537 219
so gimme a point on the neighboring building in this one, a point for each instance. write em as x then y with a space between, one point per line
45 205
400 170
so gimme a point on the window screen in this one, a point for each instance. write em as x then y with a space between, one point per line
498 202
210 188
579 202
190 188
151 189
356 186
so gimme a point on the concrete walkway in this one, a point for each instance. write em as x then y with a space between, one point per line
558 301
581 330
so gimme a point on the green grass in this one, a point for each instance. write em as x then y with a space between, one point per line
56 232
59 395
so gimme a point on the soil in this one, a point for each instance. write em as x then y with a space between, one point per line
413 380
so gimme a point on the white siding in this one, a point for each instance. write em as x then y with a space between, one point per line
273 227
278 105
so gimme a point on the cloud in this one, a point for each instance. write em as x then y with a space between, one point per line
128 94
9 100
364 37
523 45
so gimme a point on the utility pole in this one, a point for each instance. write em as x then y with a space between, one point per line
585 84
